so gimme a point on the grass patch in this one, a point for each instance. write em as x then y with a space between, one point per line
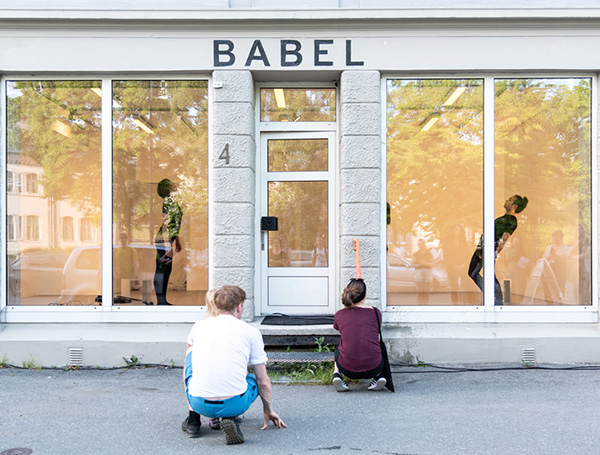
302 373
30 364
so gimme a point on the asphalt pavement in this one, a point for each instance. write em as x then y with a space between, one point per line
139 411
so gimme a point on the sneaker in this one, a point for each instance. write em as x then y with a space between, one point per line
231 428
215 424
339 384
191 429
377 384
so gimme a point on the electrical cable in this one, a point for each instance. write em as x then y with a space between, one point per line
416 368
407 368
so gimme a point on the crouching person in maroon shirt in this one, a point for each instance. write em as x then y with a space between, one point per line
358 355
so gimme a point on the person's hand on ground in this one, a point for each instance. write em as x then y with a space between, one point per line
273 417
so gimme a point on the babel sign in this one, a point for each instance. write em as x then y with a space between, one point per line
285 53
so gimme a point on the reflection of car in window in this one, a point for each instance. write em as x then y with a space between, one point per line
401 275
38 273
81 278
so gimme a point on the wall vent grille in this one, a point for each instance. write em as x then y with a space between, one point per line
529 357
75 357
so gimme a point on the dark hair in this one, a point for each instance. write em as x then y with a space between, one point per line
227 298
164 188
355 292
520 202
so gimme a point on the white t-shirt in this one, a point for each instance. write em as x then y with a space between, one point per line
222 347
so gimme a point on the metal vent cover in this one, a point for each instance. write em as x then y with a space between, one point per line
529 357
75 357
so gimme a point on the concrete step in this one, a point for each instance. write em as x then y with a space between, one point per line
285 357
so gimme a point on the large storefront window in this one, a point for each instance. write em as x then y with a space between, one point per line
54 192
543 152
53 168
434 190
160 192
435 187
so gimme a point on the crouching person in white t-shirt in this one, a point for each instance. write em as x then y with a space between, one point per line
216 376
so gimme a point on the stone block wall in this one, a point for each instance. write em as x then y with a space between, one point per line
233 183
360 179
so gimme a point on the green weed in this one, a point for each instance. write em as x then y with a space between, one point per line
132 362
30 364
322 346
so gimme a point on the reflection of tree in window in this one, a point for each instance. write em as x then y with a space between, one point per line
302 211
543 149
55 126
297 105
160 131
434 155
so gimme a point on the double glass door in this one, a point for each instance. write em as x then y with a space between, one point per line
298 259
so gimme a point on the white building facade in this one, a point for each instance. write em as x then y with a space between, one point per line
171 151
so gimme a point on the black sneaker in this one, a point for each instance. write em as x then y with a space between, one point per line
215 424
231 428
191 429
339 384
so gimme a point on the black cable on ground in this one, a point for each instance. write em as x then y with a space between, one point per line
407 368
419 368
90 368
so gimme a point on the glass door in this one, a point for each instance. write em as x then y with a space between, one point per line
298 259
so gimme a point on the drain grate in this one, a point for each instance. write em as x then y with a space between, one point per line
528 357
75 357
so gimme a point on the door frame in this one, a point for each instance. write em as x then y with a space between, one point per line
264 177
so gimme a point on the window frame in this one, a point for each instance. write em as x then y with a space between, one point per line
67 224
488 312
32 185
106 311
17 227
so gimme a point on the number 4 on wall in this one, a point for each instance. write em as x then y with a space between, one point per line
225 154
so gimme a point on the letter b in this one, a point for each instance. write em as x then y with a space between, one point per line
295 52
218 52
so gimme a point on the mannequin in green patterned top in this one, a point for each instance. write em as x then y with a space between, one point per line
504 226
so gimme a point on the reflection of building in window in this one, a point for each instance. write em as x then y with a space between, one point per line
67 228
13 227
32 183
13 182
85 230
33 227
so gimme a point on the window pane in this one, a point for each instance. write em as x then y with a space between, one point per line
543 152
53 143
160 192
86 231
297 105
32 183
303 218
289 155
434 190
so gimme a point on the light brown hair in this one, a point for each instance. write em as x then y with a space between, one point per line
227 298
